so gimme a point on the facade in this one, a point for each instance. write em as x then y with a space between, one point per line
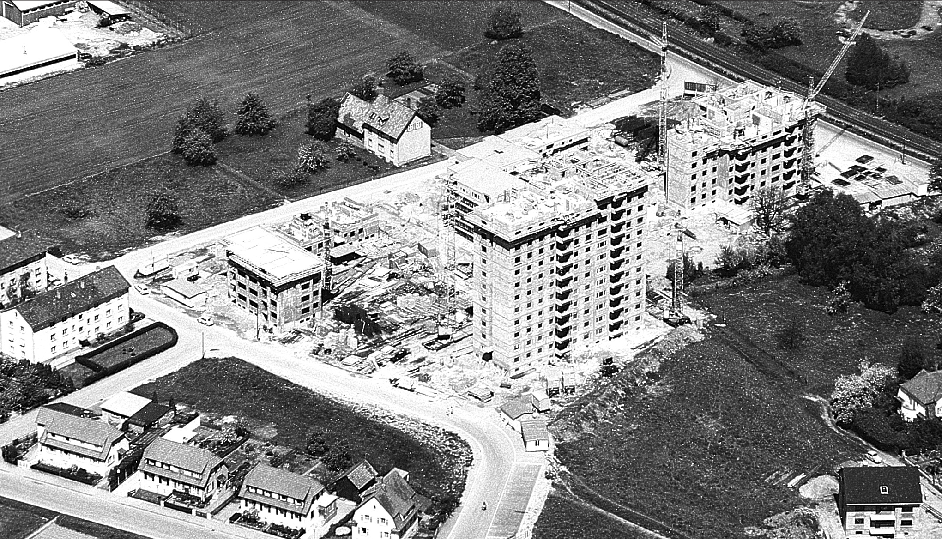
879 501
24 12
536 436
743 138
388 510
58 320
287 499
355 481
921 396
67 440
23 264
170 466
120 407
273 278
385 128
558 266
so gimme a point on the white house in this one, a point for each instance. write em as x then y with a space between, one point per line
57 320
516 411
169 466
535 435
286 498
921 396
388 510
386 128
67 440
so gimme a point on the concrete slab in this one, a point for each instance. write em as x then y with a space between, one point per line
513 505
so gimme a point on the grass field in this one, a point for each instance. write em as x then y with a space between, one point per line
565 519
891 14
18 520
265 400
706 435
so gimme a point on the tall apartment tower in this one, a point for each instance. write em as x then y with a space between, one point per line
558 265
746 137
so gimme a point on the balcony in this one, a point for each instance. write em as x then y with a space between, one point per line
617 228
615 240
563 269
615 326
563 244
615 315
563 306
562 345
563 257
741 190
616 264
741 178
790 152
790 163
562 323
564 282
616 289
617 252
616 277
741 156
563 295
618 215
741 167
617 204
615 302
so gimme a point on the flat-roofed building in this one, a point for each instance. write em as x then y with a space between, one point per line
473 182
273 278
350 223
549 136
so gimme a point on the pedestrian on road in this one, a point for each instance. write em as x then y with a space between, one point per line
483 506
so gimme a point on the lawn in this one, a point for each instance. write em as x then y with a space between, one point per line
113 354
564 519
437 464
890 14
18 520
713 434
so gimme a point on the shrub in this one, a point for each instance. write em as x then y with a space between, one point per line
503 23
365 88
403 69
428 111
197 149
254 118
773 34
322 118
792 335
346 151
312 157
162 212
450 93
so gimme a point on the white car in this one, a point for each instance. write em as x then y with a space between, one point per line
141 289
206 320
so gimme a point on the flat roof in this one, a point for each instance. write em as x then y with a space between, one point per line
34 48
26 5
500 152
184 288
273 254
110 8
484 178
124 404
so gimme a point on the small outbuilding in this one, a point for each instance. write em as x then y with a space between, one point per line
517 411
120 407
24 12
540 401
536 436
186 293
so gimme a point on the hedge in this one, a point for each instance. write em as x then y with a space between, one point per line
86 360
80 475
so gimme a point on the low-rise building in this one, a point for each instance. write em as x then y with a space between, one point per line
152 415
516 411
273 278
24 12
23 268
386 128
67 440
921 396
355 481
186 293
170 466
286 498
549 136
388 510
879 501
536 436
117 409
58 320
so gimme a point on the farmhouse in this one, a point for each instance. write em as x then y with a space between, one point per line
879 501
386 128
58 320
169 466
286 498
67 440
24 12
23 264
355 481
921 396
388 510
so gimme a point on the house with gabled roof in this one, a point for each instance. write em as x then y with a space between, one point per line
388 511
286 498
355 481
384 127
921 396
170 466
67 440
516 411
535 435
879 501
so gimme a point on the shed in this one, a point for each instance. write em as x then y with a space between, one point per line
481 394
554 380
540 400
112 10
120 407
24 12
186 293
35 49
571 381
535 435
516 411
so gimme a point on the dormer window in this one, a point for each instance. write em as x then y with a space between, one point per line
884 489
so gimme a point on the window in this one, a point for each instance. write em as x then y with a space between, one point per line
858 520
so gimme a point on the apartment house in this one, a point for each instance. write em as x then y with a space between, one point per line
57 321
385 128
879 501
23 265
273 278
286 498
558 266
743 138
169 466
921 396
388 510
67 440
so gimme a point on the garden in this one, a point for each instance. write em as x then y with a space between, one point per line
25 385
120 353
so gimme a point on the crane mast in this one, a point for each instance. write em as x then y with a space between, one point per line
662 153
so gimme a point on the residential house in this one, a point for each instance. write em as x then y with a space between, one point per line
386 128
57 321
286 498
388 510
536 437
355 481
921 396
23 265
515 411
170 466
120 407
67 440
879 501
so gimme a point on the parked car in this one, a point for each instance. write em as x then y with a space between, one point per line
141 289
193 278
206 320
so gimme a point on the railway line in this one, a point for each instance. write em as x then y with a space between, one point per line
839 113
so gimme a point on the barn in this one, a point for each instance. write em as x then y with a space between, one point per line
39 48
24 12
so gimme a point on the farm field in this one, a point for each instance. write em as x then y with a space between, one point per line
19 520
91 120
721 431
264 401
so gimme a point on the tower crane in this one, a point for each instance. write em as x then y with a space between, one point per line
449 262
326 273
807 155
680 231
662 154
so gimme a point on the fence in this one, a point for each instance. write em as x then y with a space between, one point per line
181 30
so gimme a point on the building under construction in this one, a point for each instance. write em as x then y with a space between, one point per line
558 261
735 141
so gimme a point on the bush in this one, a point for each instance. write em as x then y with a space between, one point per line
450 93
345 151
322 118
773 34
254 118
162 212
312 157
403 69
503 23
197 149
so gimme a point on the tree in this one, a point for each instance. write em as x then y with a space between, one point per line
792 334
339 456
709 18
772 34
935 175
197 148
428 111
345 151
450 93
503 23
254 118
914 358
856 392
162 212
510 92
768 209
403 69
322 118
180 133
870 66
208 116
312 157
365 88
317 442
